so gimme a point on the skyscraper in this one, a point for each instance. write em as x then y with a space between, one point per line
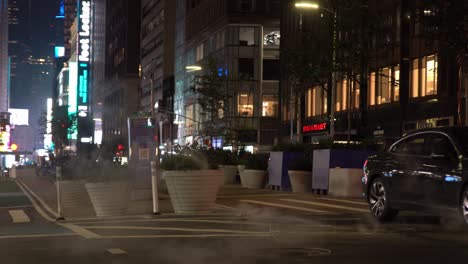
4 61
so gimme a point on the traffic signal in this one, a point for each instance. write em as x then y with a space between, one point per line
14 147
120 150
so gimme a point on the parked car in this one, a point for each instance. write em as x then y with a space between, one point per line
425 170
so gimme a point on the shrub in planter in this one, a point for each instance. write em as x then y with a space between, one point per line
255 173
192 186
300 174
227 162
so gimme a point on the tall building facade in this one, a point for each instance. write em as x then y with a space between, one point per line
157 60
119 91
242 39
408 73
4 61
70 12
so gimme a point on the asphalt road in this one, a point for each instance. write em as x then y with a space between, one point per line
254 228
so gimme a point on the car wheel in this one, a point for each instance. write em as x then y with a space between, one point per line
464 206
378 201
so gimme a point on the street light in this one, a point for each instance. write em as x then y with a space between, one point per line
193 68
315 6
306 5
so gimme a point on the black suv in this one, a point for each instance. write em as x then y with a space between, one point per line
426 169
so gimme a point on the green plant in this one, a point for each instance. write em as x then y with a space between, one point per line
180 162
91 171
291 147
257 161
301 164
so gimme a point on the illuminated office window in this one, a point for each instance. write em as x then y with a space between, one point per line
245 104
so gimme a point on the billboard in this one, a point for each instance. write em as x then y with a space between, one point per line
19 117
84 52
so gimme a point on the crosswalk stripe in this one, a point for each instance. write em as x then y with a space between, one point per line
285 206
326 205
344 201
18 216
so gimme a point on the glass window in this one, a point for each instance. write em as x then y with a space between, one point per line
270 105
245 104
189 116
372 88
431 75
271 38
384 86
246 5
414 145
199 53
271 70
316 101
246 68
357 93
441 145
415 78
396 84
246 36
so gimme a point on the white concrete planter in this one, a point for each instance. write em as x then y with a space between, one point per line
240 168
75 199
230 172
345 182
109 198
193 191
253 179
301 181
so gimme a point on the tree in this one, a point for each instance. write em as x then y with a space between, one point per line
63 127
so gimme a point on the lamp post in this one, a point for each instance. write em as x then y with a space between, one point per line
310 5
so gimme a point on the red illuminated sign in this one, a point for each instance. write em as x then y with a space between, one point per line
314 127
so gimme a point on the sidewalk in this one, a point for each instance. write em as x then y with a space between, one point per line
43 189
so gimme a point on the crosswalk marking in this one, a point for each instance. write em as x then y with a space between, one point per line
344 201
327 205
18 216
116 251
285 206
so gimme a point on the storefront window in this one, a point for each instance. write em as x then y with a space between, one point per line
431 75
424 76
316 101
396 83
270 105
415 79
384 93
372 88
245 104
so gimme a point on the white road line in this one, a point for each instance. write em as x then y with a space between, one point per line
344 201
178 220
75 229
34 203
15 207
43 204
285 206
326 205
116 251
176 229
18 216
81 231
36 236
191 236
252 195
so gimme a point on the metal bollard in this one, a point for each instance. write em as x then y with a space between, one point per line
59 202
154 187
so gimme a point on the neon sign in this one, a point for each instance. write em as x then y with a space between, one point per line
314 127
84 55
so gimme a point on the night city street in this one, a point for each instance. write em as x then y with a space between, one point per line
341 231
234 131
